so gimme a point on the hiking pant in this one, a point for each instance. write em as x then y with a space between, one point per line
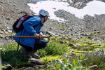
38 45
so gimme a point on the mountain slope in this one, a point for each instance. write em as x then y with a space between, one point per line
11 10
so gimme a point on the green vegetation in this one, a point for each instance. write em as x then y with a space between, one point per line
62 53
10 55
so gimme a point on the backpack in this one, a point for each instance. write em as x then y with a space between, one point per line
18 24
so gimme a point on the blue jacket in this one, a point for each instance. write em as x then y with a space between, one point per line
31 26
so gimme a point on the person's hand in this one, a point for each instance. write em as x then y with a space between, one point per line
38 36
45 36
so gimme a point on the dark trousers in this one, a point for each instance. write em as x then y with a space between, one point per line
38 45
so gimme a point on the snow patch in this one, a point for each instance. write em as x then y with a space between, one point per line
92 8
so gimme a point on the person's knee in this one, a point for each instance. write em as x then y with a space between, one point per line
43 44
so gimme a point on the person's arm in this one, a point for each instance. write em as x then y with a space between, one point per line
28 26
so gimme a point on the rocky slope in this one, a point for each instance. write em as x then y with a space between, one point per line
12 9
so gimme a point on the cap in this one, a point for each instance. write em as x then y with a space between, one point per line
43 12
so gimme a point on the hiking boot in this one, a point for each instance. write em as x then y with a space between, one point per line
27 54
35 55
36 61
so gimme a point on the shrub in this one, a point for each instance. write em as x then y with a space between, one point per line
95 58
55 49
42 52
10 55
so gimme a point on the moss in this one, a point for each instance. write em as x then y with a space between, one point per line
50 58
